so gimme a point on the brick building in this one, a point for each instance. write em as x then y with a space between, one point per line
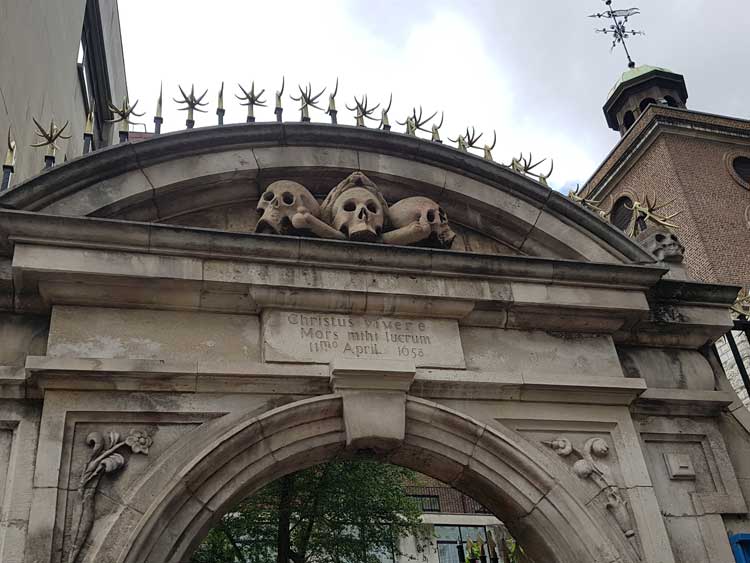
698 164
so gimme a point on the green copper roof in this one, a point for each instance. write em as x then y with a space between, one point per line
632 73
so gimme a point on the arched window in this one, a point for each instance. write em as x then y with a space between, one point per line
671 102
741 165
645 102
628 119
620 214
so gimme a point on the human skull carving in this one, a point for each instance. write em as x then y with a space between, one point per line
359 215
662 244
356 208
281 201
419 220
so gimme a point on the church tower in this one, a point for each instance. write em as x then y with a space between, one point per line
636 89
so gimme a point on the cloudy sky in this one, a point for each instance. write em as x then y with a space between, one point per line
532 70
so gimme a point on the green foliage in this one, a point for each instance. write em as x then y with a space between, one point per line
514 550
339 512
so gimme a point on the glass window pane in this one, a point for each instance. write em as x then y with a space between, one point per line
472 532
447 553
447 533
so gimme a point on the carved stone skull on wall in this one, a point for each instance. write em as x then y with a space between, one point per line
281 201
356 208
419 220
662 244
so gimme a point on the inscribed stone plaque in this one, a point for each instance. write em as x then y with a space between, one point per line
305 337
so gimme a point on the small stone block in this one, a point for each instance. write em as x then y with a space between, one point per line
680 467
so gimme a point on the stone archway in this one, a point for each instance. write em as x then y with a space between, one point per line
172 508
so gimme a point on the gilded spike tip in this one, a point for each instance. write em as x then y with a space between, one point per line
10 156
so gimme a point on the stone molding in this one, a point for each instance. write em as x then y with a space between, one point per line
111 163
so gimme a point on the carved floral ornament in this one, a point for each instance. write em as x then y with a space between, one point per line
353 210
105 459
589 466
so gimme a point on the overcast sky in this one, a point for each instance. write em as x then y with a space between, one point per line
533 70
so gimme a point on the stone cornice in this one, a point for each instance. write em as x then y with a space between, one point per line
654 121
107 234
78 174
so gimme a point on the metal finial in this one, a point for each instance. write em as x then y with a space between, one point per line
9 164
526 166
123 114
191 104
158 119
159 101
618 28
468 140
436 130
488 148
385 123
362 111
332 111
307 100
10 156
278 110
88 131
251 99
415 122
50 136
220 111
586 202
649 210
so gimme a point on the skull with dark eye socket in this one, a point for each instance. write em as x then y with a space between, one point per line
419 210
359 215
662 244
279 203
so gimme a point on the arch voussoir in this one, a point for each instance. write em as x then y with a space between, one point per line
501 470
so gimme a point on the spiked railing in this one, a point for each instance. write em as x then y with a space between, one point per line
307 100
416 123
362 110
251 99
9 165
123 115
50 137
527 166
278 110
332 111
650 210
191 104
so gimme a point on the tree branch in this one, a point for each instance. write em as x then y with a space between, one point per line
233 543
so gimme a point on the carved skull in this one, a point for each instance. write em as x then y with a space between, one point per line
279 203
422 211
662 244
359 214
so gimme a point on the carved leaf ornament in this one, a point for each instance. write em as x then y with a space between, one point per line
589 466
105 458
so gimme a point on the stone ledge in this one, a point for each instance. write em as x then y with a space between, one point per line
683 402
46 372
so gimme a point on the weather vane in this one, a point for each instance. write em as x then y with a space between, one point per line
618 28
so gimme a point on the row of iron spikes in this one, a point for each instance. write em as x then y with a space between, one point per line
643 210
122 114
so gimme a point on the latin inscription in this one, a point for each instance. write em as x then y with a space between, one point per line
320 337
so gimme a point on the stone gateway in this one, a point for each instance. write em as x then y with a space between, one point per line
187 318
